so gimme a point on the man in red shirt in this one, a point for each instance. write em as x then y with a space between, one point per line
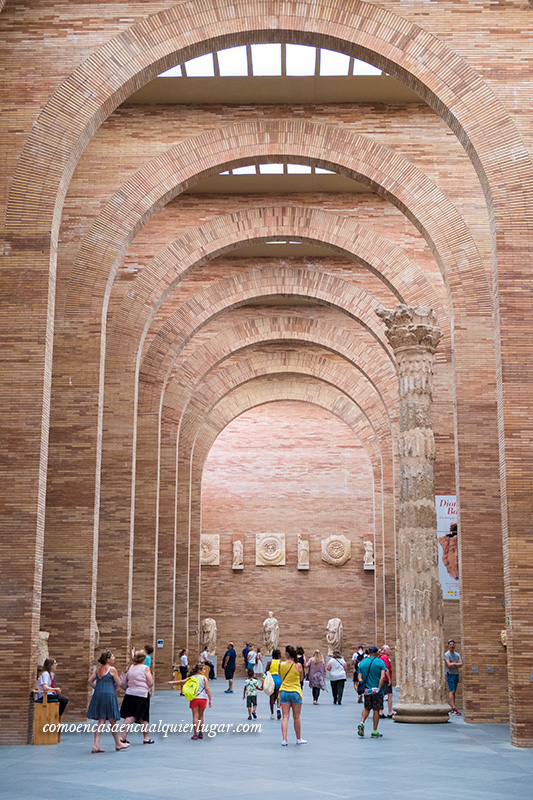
387 686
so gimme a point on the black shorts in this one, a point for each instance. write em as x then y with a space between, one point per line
387 688
374 702
229 673
251 701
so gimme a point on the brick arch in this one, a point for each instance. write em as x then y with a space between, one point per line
251 363
163 273
368 359
234 291
258 392
137 55
384 170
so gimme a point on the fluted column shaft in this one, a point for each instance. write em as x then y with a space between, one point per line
414 337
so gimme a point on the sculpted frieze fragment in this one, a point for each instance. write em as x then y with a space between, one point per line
336 550
270 549
210 550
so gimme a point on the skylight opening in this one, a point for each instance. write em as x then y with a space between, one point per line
233 62
320 171
301 60
271 169
273 59
173 72
362 68
201 67
250 169
333 63
298 169
277 241
266 59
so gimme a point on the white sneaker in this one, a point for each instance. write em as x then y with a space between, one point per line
301 741
284 743
272 716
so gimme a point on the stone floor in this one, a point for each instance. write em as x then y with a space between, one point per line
455 761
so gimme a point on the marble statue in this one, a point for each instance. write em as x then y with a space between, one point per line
209 630
42 652
303 552
271 632
334 635
238 555
369 554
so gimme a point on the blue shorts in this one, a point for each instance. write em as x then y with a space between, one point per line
277 681
290 697
452 681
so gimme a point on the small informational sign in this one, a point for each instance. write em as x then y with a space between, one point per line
446 507
160 643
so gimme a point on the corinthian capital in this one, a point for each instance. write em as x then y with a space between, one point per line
411 327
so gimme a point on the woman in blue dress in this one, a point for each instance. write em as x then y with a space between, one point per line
103 706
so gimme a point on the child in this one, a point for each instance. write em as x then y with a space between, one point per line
198 705
251 685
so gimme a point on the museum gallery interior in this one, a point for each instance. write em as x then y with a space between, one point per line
265 308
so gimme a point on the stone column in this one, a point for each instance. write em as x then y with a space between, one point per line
414 337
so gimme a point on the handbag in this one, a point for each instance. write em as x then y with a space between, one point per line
268 684
361 687
124 680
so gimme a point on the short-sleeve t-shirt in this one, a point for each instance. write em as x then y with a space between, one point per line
453 657
148 661
370 668
229 659
250 687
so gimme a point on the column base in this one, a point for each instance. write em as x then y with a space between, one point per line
421 714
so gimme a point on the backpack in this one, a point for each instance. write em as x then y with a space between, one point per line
191 688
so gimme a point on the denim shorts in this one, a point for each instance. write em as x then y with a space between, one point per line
452 681
290 697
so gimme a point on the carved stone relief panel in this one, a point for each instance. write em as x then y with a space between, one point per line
270 549
210 550
336 550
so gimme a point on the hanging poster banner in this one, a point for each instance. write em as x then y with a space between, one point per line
446 507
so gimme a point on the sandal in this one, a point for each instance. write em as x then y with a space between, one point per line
148 741
124 747
97 750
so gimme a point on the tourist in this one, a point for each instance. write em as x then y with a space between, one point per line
259 666
251 658
149 650
273 668
301 660
290 694
357 658
206 661
45 683
184 663
136 703
373 673
387 686
453 662
103 706
245 651
228 665
316 669
251 687
337 673
199 703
